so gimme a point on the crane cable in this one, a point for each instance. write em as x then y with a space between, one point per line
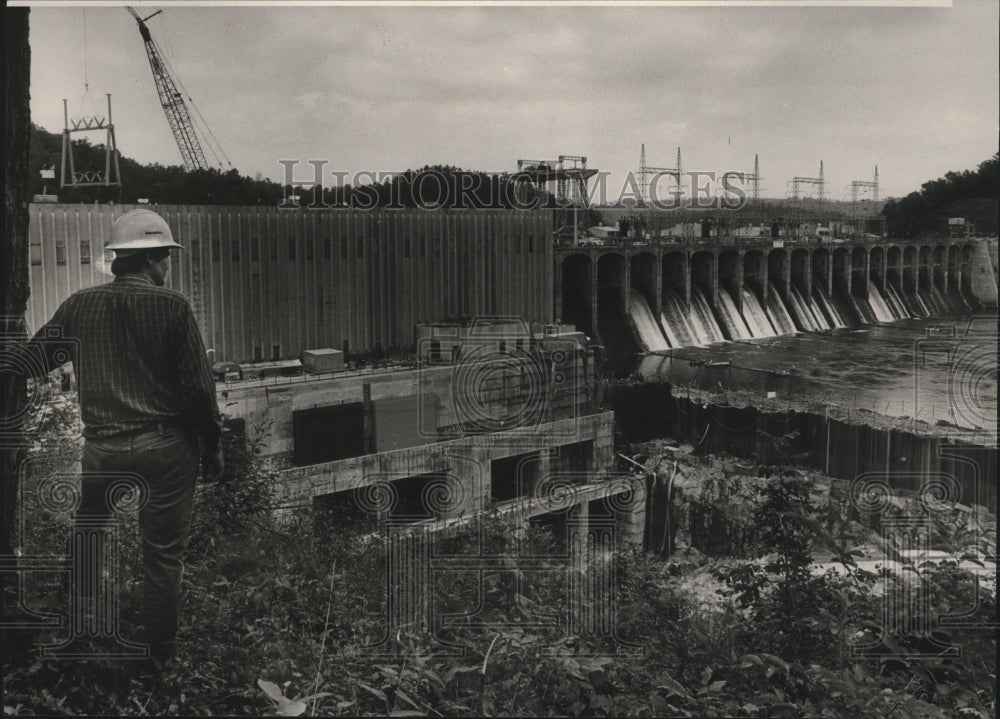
86 75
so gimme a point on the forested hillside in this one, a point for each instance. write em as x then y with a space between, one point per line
438 186
969 194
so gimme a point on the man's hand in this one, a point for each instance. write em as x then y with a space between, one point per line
212 465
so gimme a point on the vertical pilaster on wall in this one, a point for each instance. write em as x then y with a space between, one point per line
658 292
829 274
595 264
686 269
369 418
808 274
544 222
557 284
714 277
632 526
899 268
787 273
472 470
627 288
739 281
848 270
944 270
865 272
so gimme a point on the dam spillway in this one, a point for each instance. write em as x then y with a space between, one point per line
704 290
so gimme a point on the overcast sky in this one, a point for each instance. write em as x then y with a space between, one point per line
913 90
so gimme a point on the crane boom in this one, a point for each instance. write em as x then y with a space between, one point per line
172 101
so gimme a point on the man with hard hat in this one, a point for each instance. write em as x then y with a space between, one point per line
147 401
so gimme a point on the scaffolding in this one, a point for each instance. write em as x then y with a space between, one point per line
569 174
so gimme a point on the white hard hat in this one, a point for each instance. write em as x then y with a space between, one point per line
140 230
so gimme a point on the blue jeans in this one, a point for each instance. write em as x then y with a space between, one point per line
164 462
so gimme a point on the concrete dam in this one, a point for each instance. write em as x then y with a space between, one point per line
636 297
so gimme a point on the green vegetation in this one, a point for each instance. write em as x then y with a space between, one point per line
437 186
972 195
288 616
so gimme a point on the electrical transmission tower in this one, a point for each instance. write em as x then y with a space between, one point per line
820 183
753 178
645 171
90 177
858 186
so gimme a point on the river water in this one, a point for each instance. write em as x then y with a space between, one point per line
941 370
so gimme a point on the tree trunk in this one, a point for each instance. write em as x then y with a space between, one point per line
14 265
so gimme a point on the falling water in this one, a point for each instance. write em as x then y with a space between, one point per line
942 299
703 321
863 308
932 301
645 322
755 317
676 323
804 318
916 304
830 309
879 307
895 302
730 317
777 312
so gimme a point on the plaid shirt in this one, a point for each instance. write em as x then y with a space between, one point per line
138 357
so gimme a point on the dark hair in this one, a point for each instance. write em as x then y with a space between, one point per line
130 264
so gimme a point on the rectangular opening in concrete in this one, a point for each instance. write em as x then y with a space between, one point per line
343 513
413 501
577 457
600 509
367 509
553 524
513 477
325 434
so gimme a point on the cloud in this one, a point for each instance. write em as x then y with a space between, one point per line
913 90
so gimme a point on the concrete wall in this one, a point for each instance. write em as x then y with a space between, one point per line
466 460
984 272
845 450
476 395
267 284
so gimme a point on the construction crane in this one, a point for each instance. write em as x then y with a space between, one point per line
171 100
